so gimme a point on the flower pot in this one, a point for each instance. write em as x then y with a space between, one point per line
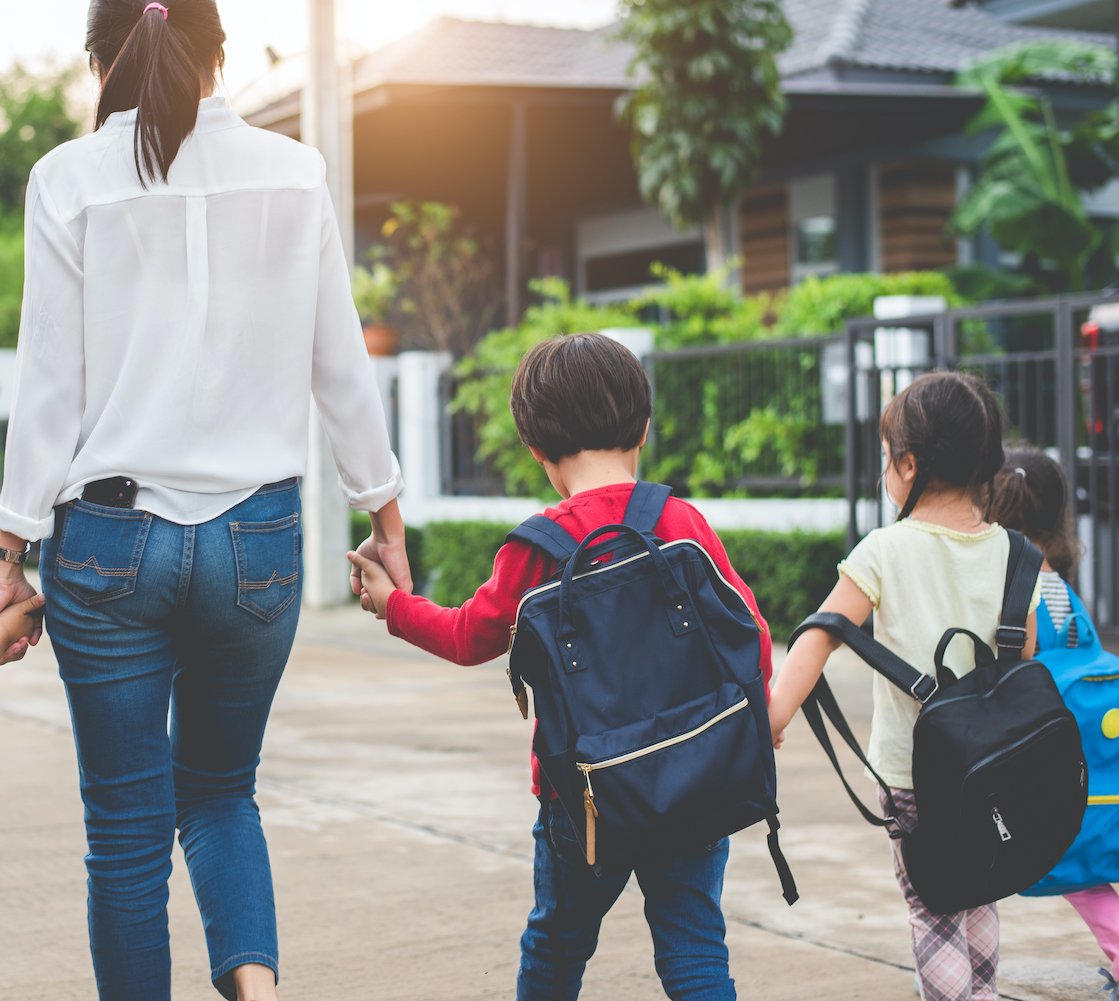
379 339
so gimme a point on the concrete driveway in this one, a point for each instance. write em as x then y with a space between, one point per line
394 790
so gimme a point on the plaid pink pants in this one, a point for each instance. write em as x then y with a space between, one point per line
957 955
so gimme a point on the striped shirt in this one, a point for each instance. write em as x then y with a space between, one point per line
1054 592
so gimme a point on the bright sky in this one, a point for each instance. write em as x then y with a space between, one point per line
55 29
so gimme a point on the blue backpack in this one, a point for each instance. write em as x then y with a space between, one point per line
1087 677
652 726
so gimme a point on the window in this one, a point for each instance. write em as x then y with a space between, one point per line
812 225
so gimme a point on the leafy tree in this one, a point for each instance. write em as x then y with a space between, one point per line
707 98
34 118
1030 190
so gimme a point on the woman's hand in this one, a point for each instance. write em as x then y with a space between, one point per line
385 545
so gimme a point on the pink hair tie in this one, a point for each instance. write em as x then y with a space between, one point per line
159 7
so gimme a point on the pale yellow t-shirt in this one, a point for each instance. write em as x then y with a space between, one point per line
923 579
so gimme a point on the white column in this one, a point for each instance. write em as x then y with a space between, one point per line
421 423
326 520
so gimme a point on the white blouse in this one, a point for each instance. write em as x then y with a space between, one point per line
176 334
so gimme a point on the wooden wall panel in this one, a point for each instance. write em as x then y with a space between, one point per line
915 202
763 226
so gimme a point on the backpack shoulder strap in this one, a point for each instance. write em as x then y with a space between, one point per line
545 534
887 663
1022 567
645 505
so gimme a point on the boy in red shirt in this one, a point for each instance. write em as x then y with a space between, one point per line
582 406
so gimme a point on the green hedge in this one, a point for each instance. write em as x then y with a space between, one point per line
789 572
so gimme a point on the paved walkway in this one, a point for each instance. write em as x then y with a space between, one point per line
394 793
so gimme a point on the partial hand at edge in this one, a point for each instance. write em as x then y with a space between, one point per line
15 587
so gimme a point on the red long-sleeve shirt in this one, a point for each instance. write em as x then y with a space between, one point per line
478 630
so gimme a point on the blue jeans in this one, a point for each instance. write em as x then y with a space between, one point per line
682 906
148 617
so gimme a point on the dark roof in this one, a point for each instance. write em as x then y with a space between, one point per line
914 36
451 52
927 40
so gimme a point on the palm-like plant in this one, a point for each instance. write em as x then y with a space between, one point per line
1029 193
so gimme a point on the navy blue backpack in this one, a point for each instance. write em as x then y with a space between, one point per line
643 660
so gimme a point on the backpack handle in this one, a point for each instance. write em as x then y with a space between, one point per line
678 605
945 676
1085 632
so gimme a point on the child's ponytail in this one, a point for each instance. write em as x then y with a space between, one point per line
1032 496
155 58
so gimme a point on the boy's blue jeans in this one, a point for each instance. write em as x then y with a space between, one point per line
682 906
148 617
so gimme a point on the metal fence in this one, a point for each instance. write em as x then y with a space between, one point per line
1057 393
798 417
463 472
748 419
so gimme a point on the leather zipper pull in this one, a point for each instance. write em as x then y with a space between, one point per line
592 812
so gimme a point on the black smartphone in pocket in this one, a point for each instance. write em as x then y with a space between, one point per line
116 491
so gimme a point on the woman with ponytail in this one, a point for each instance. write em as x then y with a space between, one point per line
186 295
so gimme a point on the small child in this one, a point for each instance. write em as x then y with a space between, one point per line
940 565
1031 495
582 406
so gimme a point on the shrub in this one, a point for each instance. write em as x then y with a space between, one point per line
460 557
790 573
703 309
824 305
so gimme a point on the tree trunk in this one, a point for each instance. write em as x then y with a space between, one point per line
717 245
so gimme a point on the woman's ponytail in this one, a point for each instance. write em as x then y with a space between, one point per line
155 59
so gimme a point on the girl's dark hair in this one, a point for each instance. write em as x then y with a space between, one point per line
156 65
1031 495
951 424
580 391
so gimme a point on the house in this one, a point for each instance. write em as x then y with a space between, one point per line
1082 15
516 124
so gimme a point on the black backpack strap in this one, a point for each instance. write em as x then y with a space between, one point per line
645 505
784 873
545 534
887 663
821 702
1022 567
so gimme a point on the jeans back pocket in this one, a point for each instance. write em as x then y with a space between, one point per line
267 555
99 551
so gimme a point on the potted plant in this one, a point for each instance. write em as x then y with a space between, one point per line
374 291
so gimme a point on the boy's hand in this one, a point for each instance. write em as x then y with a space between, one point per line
376 584
21 624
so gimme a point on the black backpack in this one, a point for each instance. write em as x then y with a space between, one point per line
652 726
999 775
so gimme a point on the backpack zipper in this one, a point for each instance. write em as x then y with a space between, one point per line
1004 832
586 768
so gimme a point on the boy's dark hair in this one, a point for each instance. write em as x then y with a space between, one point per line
580 391
952 425
1031 495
